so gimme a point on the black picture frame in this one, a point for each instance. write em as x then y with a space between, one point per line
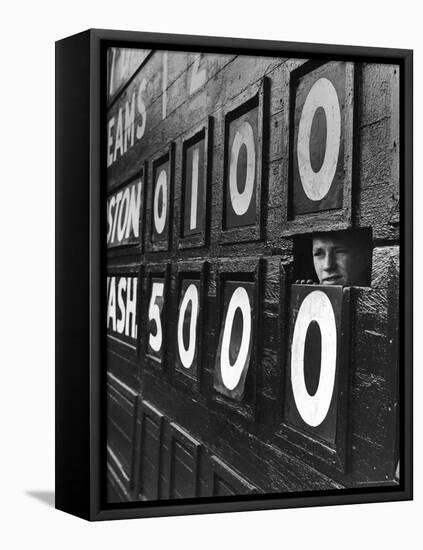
81 285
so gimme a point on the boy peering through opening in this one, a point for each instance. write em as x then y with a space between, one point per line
340 258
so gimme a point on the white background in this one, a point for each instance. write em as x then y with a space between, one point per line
28 32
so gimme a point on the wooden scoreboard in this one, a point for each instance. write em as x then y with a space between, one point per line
224 376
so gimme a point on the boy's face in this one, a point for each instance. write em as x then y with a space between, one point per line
336 262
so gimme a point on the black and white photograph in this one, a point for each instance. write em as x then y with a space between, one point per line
254 253
211 275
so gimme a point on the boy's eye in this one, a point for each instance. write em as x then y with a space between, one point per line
318 253
341 251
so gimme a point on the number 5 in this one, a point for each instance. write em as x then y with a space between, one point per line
155 340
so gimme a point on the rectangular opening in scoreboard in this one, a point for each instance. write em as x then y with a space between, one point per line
244 153
320 256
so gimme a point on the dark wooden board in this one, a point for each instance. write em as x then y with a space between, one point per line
121 431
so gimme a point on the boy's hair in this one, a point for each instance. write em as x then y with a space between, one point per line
357 239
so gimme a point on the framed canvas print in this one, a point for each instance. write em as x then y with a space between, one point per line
234 288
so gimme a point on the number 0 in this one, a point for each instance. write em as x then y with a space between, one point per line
231 374
187 354
314 408
323 94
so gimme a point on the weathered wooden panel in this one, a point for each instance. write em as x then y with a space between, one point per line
377 201
117 481
122 64
236 77
151 427
238 444
121 421
385 264
225 481
375 372
128 118
150 99
123 365
183 459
